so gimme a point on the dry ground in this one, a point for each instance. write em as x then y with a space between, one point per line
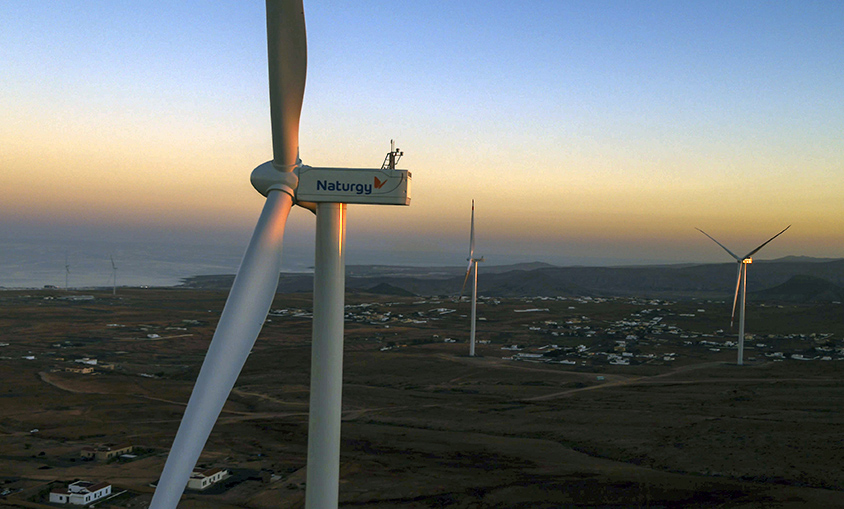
424 426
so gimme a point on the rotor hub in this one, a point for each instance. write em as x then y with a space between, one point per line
267 177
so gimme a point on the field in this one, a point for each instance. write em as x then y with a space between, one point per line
556 419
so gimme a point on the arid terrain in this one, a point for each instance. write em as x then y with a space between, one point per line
572 402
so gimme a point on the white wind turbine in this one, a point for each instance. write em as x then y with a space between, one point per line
66 273
113 275
473 264
285 181
741 286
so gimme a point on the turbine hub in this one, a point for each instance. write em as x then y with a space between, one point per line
267 177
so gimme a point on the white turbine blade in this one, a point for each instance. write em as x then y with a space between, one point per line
722 245
472 234
735 298
288 62
764 244
465 279
243 317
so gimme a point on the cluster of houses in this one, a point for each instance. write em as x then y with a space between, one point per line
369 313
645 336
87 492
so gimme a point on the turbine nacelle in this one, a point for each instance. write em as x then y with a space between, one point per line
306 184
747 260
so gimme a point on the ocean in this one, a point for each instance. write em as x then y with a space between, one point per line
36 263
27 263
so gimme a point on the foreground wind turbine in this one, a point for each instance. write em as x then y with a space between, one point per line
741 287
473 264
285 181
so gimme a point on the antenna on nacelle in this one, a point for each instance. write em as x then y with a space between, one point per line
393 157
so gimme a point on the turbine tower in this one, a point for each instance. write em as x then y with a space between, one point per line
741 287
473 264
285 181
113 276
66 272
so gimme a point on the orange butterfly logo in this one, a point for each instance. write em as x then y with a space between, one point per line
379 183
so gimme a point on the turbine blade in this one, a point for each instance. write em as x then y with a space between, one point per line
735 298
763 245
288 63
472 234
722 245
465 279
243 317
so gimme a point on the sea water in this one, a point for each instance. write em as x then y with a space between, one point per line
27 263
86 264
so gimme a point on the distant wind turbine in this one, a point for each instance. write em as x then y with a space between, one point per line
473 264
66 272
113 276
741 286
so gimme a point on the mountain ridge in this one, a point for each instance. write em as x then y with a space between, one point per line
712 280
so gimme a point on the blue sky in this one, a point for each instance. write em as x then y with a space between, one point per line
578 127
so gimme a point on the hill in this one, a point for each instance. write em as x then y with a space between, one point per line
539 279
803 288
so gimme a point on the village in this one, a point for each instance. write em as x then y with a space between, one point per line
646 335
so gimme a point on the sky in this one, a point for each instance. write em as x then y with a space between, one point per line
587 132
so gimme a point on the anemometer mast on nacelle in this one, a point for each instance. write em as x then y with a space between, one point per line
392 157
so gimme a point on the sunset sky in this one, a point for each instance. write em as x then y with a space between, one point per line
584 130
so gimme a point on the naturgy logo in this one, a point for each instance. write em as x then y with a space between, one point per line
343 187
337 186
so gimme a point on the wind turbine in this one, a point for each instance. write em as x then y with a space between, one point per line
473 264
113 275
741 286
285 181
66 272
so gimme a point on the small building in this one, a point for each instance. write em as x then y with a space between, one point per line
86 370
106 452
80 493
201 479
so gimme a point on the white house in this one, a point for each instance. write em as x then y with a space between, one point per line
80 493
202 479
